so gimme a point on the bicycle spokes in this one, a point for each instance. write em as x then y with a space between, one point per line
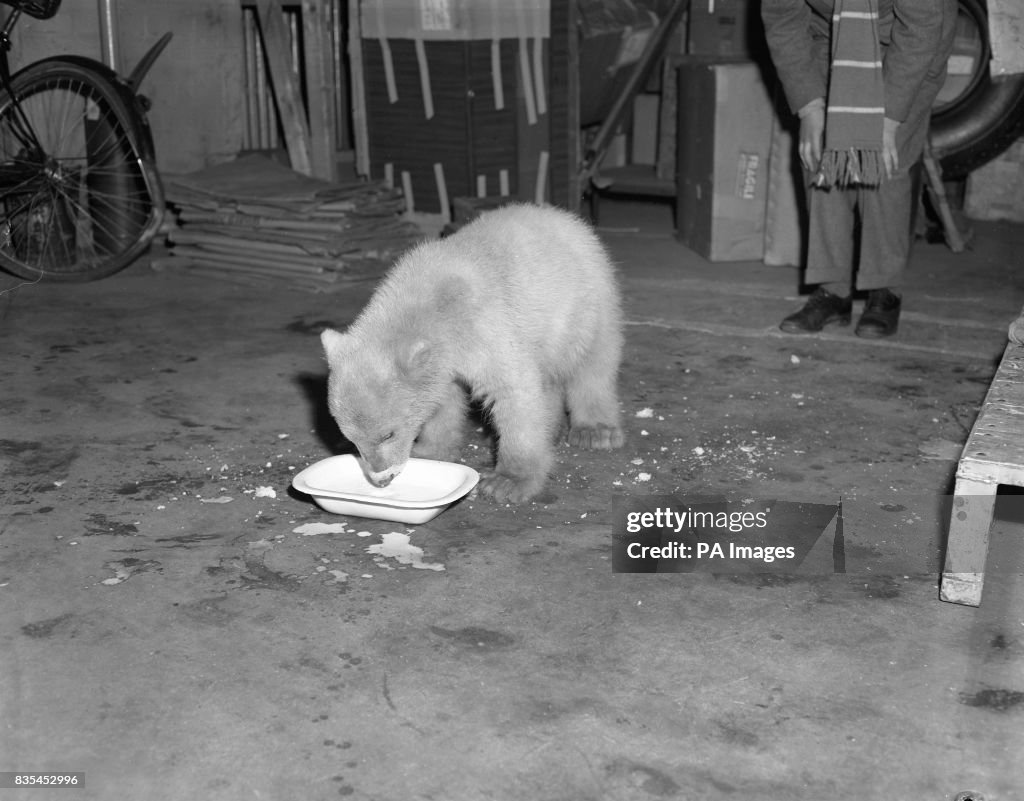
75 195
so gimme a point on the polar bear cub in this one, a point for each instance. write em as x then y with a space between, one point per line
519 310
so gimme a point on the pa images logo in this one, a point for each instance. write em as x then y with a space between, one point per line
671 534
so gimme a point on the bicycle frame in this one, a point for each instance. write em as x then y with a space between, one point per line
25 133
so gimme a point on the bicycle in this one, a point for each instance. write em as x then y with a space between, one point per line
80 195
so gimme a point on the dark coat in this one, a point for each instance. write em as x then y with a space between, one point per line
916 38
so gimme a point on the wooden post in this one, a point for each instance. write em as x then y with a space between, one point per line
321 88
964 574
360 126
285 85
564 105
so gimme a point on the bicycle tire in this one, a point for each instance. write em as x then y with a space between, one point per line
80 198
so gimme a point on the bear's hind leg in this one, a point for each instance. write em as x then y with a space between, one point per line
444 434
592 396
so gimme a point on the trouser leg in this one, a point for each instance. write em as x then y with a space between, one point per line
830 238
885 244
887 211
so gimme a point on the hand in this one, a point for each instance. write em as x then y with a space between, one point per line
890 159
812 131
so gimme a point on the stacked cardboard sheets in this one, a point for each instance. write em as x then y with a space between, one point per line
255 220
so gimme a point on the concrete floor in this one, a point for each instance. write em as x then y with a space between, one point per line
168 632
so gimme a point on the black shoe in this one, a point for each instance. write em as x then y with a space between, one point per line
881 315
821 308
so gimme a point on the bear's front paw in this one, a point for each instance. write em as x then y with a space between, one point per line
510 489
599 437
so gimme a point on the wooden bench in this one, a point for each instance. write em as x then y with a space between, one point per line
993 455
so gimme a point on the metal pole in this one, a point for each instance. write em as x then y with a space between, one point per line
108 32
653 52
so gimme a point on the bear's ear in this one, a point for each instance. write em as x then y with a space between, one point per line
415 355
334 343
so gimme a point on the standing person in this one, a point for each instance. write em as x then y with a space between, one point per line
862 76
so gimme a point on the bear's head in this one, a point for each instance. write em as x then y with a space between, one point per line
381 393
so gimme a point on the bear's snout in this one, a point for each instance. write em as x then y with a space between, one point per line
381 479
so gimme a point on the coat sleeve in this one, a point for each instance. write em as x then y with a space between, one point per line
799 55
918 50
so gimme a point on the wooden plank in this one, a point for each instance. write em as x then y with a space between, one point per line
338 15
321 89
285 85
360 132
254 263
667 120
200 266
995 449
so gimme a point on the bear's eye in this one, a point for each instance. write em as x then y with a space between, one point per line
386 437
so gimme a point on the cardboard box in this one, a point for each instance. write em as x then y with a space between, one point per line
724 141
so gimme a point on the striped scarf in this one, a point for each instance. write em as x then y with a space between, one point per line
856 99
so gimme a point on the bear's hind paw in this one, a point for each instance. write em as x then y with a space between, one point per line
600 437
508 489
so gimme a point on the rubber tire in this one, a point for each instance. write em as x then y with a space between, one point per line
985 120
45 73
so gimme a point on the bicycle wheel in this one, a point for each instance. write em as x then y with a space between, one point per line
79 197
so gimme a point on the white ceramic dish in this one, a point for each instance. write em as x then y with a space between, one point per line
423 490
